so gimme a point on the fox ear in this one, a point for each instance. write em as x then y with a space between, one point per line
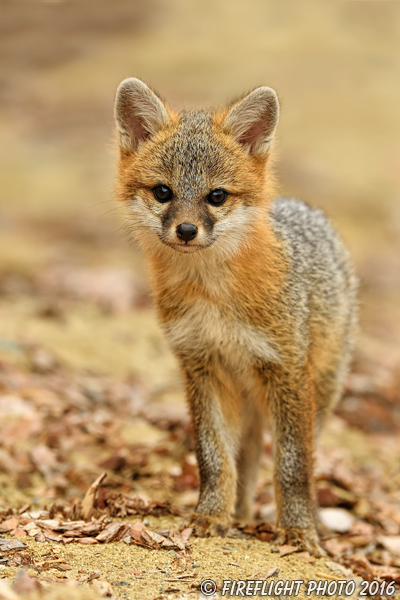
253 120
139 113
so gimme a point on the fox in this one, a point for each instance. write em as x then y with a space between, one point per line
256 295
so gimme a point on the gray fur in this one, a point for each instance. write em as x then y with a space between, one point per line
321 275
322 285
191 155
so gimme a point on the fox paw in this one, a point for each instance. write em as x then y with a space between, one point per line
209 526
303 539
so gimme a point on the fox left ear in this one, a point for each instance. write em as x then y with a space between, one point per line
253 120
139 113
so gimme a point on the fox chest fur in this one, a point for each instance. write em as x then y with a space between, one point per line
203 320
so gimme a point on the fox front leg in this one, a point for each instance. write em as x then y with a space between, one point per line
293 414
215 453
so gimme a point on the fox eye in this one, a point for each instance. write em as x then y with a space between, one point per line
162 193
217 197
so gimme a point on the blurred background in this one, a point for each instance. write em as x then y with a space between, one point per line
71 284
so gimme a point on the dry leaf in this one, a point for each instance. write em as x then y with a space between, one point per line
152 538
186 533
111 532
19 532
136 530
306 557
9 525
273 572
287 549
90 497
7 545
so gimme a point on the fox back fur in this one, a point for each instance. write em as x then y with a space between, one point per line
256 295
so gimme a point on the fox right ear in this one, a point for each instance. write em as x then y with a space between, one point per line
139 113
253 119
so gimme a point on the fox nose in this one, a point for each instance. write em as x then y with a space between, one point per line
186 231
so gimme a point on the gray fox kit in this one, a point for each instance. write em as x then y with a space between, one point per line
256 296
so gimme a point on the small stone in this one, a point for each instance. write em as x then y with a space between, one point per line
337 519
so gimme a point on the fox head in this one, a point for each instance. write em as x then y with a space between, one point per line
194 180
